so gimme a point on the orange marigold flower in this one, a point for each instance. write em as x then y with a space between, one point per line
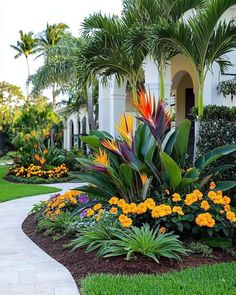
141 208
113 201
227 208
121 203
231 216
205 205
150 203
58 212
98 217
190 199
176 197
125 208
114 210
132 208
122 217
178 209
97 207
227 200
90 212
205 219
212 185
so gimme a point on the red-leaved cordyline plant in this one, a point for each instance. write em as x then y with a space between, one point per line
153 114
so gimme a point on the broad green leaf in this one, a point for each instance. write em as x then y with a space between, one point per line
203 161
225 185
170 141
172 170
92 141
181 144
190 177
100 134
126 175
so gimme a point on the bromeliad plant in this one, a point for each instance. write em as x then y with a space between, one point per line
147 161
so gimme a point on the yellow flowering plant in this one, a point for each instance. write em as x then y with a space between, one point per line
193 214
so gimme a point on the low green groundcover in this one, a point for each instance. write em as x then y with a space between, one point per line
215 279
38 180
10 191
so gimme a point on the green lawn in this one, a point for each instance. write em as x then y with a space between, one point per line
215 279
10 191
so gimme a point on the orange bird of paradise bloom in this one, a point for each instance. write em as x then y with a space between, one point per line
125 128
154 115
101 158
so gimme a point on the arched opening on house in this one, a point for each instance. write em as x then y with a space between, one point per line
71 134
184 100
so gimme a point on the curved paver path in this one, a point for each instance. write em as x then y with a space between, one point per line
24 268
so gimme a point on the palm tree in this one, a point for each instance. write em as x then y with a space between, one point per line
143 15
204 39
25 46
104 52
46 41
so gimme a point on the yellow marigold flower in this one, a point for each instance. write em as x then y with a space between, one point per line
176 197
132 208
97 207
178 209
101 158
122 217
199 194
58 212
127 222
205 219
141 208
125 208
190 199
227 208
98 217
212 185
90 212
162 230
73 201
227 200
161 211
101 211
61 205
121 203
231 216
150 203
113 201
205 205
211 195
114 210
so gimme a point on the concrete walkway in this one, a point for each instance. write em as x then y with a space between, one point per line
24 268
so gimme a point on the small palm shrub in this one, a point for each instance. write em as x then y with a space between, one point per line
110 241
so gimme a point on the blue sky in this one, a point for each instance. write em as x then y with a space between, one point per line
30 15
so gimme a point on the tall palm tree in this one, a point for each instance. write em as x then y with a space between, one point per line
143 15
25 46
204 39
47 40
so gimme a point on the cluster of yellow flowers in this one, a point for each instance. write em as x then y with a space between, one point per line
55 204
38 171
205 219
125 210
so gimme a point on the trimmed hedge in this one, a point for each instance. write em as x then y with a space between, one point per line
218 128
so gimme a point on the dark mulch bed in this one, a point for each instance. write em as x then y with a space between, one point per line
81 264
38 180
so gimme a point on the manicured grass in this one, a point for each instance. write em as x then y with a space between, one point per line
10 191
214 279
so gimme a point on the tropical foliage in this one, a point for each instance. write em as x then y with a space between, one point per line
152 160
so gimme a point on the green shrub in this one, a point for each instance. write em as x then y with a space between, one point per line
217 129
200 248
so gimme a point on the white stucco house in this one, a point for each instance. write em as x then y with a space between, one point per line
181 94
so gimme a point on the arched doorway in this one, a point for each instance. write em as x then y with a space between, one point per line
184 100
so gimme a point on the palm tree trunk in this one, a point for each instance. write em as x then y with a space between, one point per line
91 121
162 70
54 96
27 83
